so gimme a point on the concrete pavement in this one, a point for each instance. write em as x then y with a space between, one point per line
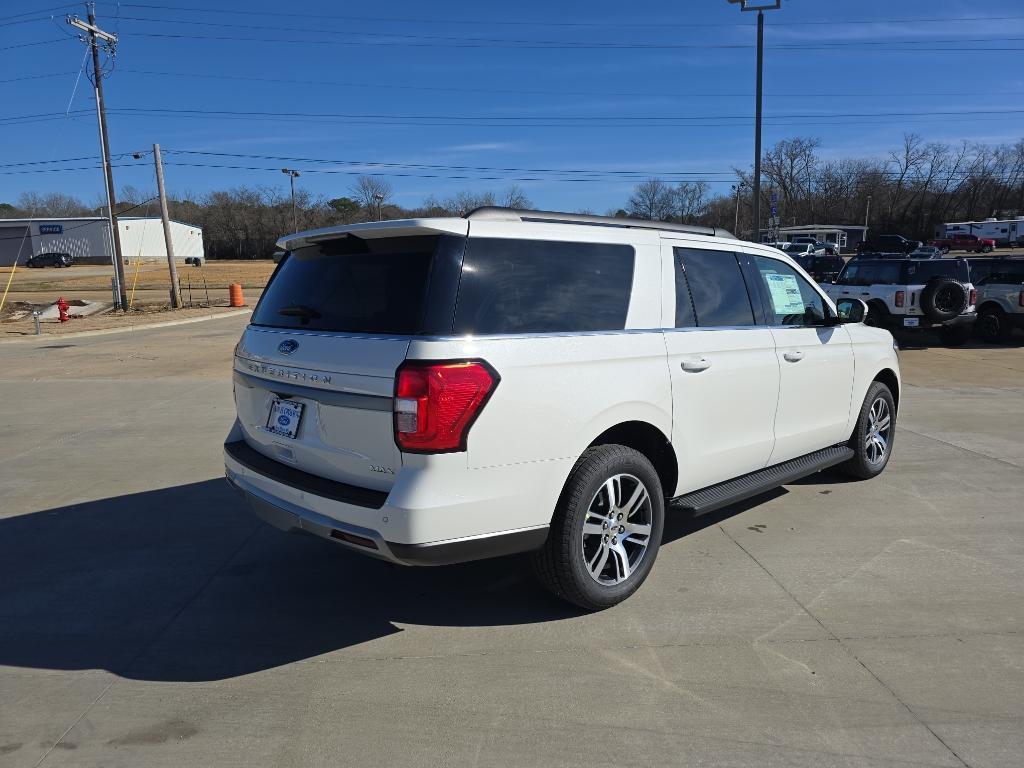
147 620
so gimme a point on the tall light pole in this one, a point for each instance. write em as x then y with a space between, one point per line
292 174
738 188
379 199
751 5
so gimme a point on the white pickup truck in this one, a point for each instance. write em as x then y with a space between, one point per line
912 294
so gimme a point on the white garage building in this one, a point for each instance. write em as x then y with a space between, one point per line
88 239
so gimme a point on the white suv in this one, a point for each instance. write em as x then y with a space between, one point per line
431 391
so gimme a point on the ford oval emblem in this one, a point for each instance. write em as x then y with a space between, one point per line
287 346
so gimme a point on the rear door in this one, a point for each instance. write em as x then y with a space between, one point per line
725 375
314 372
815 361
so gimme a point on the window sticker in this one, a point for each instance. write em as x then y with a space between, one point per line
785 291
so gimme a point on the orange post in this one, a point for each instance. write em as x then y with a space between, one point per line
236 299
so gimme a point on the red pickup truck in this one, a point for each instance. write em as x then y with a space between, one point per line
964 242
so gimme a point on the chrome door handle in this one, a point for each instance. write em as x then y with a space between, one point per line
794 356
696 366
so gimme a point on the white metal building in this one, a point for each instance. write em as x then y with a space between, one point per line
88 239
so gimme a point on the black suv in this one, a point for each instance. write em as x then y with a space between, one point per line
50 260
823 269
888 244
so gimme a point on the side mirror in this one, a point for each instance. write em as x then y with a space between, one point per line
851 310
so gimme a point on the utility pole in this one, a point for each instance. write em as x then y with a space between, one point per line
295 219
769 5
171 266
95 34
867 217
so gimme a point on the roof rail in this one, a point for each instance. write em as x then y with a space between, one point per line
496 213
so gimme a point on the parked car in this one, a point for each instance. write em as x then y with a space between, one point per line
961 241
826 249
927 252
799 249
431 391
1001 302
913 294
824 269
50 260
888 244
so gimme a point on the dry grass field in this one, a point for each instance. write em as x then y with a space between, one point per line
144 276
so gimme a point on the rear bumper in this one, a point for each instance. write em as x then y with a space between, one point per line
960 322
368 522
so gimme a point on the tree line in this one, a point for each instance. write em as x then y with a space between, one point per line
910 191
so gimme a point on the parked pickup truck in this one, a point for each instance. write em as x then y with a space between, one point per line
962 241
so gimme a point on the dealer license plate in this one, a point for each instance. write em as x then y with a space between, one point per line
911 322
284 417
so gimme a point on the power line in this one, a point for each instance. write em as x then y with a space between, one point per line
529 92
552 23
498 41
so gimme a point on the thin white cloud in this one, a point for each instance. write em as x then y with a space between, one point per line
484 146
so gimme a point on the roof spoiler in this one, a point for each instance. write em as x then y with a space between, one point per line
495 213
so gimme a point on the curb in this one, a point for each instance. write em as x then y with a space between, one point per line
125 329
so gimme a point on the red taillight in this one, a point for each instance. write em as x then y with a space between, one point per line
900 297
437 402
1020 299
974 297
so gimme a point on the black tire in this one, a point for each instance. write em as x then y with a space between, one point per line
878 315
943 299
861 465
986 249
944 249
955 337
561 565
994 326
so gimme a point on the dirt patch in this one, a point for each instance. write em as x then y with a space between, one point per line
16 319
213 275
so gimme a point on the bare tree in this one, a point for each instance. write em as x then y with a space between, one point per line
691 200
372 191
652 199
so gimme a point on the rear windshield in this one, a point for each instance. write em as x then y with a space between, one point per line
922 271
862 272
351 284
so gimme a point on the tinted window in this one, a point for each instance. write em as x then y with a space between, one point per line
351 285
922 271
1005 277
685 314
860 272
537 286
716 283
790 298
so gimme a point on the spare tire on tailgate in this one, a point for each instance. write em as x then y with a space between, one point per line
943 298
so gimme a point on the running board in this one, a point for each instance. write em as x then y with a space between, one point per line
721 495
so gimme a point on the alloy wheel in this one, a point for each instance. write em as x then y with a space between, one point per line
876 443
617 529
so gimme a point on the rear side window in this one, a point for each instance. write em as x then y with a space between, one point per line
923 271
541 286
351 284
719 293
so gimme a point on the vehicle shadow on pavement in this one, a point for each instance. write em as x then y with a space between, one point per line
182 584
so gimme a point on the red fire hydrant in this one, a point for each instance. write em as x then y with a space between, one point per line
62 309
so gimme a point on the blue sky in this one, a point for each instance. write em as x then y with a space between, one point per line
648 87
